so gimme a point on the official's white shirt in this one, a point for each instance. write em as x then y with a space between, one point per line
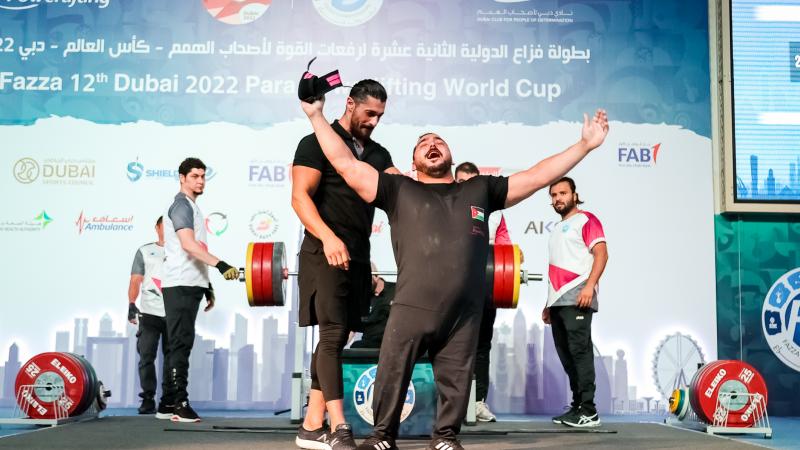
148 263
180 268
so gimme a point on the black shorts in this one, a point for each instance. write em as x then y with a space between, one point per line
331 295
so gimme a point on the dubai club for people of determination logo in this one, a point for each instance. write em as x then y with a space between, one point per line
263 224
236 12
362 396
781 318
347 13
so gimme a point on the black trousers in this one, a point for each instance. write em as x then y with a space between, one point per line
484 348
572 335
181 304
335 300
151 330
450 343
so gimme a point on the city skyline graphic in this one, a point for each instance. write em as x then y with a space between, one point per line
526 374
768 187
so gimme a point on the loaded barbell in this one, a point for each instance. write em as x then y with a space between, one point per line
265 274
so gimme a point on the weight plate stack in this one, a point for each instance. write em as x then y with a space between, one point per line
731 391
51 373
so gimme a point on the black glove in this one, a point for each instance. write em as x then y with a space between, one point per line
312 87
210 298
227 271
133 311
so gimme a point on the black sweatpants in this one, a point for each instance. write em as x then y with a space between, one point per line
572 335
484 348
450 343
335 300
151 329
181 304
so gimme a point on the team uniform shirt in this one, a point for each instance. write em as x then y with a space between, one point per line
180 268
571 259
440 238
347 215
148 263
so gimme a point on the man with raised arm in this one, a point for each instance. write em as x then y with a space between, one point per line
334 273
440 240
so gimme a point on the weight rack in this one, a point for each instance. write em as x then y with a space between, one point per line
20 414
720 425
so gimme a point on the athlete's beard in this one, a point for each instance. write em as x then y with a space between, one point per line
564 208
437 170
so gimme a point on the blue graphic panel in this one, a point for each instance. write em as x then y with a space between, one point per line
766 99
465 63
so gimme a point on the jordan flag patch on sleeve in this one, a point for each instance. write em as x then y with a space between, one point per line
477 213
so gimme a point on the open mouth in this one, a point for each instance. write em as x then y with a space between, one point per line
433 154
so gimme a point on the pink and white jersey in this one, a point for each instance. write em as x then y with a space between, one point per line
571 259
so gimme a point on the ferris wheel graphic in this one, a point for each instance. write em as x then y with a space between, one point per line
676 360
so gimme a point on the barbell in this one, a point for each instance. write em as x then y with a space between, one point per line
265 274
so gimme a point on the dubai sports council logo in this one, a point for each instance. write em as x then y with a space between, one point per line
781 318
236 12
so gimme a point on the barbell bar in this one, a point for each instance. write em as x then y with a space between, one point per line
265 274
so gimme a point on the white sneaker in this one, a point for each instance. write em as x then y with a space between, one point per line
483 413
582 419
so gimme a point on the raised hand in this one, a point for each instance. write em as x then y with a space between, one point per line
312 109
595 130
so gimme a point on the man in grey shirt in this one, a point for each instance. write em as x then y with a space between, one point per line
185 282
145 284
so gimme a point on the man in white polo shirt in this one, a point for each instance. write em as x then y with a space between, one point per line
578 256
145 283
185 282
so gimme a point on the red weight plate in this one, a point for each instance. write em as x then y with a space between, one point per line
94 382
267 261
48 371
700 378
509 276
258 296
700 382
502 273
87 395
490 273
733 393
499 267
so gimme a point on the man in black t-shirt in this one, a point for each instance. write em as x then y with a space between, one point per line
440 241
334 273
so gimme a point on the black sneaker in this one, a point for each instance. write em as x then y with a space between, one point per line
569 412
148 406
184 413
582 418
313 440
377 443
165 411
445 444
342 438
